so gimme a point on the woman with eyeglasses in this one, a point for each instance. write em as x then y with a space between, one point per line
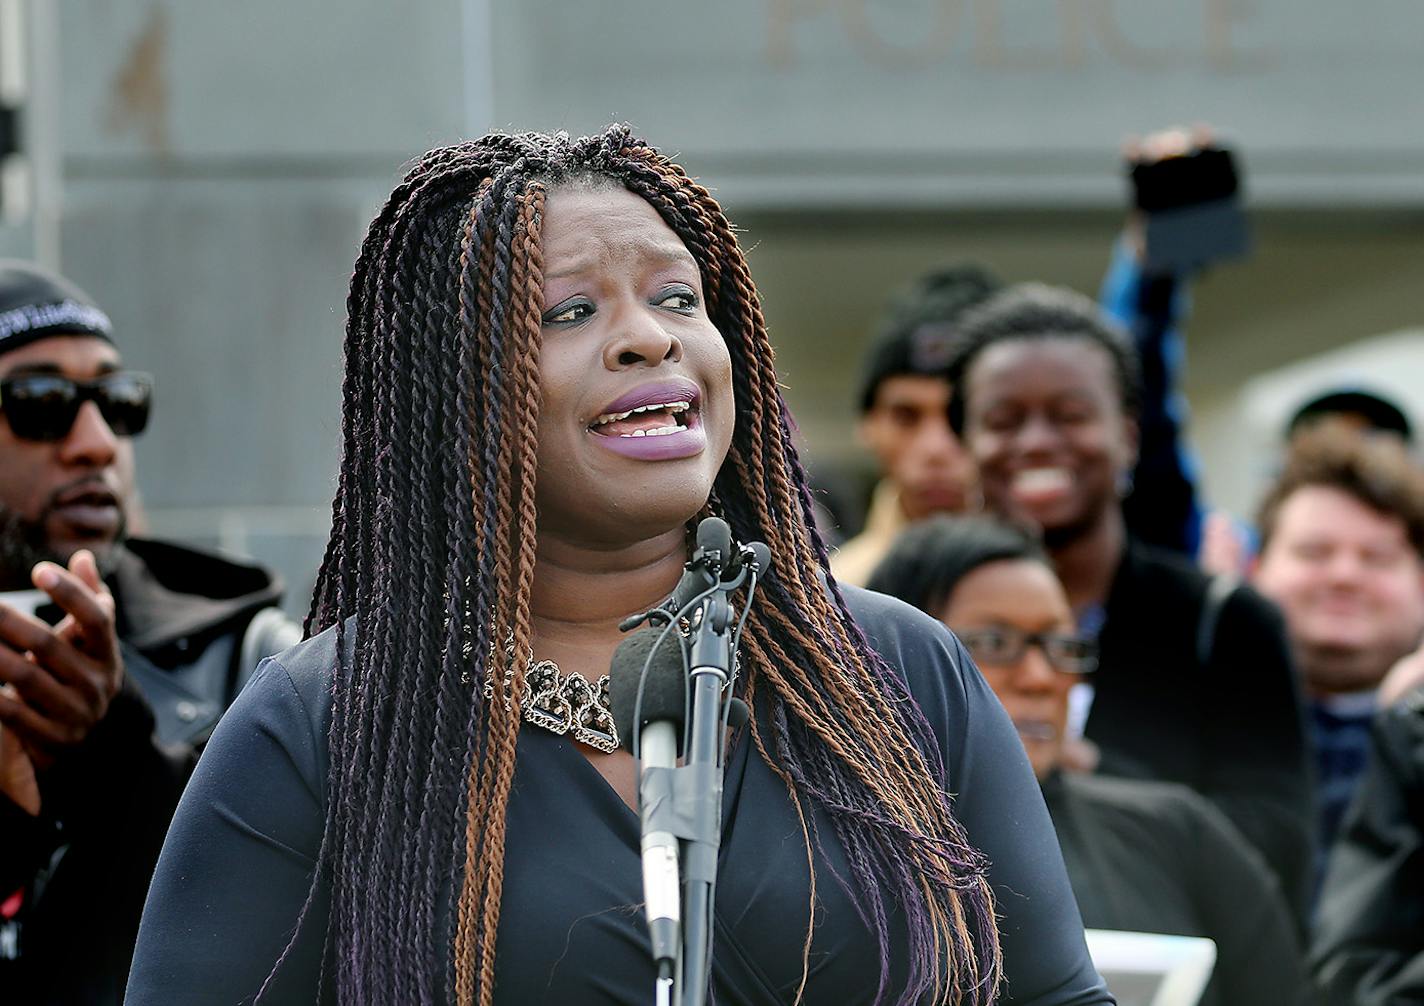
1141 856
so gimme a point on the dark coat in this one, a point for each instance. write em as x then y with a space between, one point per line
1232 729
1369 941
82 867
1157 858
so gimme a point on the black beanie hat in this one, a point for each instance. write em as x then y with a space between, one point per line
917 333
1378 412
36 304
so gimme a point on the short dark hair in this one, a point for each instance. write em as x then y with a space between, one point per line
930 557
916 334
1040 311
1377 471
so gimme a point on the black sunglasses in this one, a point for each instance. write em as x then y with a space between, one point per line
44 406
1000 647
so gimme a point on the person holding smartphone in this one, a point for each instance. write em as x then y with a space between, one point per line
116 655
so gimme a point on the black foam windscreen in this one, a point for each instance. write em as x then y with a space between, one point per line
714 533
665 688
760 558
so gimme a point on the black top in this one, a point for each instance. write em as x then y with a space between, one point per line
236 866
1157 858
1369 940
1231 729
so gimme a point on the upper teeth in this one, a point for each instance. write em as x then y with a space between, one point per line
1040 479
613 417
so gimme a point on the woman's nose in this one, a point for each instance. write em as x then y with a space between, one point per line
639 338
1033 671
1036 433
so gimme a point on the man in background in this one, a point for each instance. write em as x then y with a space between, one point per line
117 655
1343 556
904 416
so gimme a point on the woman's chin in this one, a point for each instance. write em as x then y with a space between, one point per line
639 515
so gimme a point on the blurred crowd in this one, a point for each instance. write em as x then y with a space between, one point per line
1225 711
1226 717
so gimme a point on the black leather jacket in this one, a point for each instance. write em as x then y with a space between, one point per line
1369 945
191 627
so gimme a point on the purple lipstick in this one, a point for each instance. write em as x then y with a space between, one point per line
658 421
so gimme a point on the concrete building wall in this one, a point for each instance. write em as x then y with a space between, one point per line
219 166
210 169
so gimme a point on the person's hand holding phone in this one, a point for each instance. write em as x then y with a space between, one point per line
1186 200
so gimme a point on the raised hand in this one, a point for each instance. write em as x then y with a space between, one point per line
61 678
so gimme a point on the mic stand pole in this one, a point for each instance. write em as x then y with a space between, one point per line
699 782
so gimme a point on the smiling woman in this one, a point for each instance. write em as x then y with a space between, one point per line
555 365
1194 684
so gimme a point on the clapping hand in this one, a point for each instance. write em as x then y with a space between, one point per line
55 682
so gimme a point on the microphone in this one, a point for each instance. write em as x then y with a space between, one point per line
664 688
684 704
718 559
664 691
754 555
656 733
713 553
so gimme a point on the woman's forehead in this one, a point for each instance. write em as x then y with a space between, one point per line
584 228
1011 590
1066 361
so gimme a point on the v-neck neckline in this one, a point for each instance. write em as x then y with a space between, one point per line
732 778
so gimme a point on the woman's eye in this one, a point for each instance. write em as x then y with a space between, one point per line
985 643
1073 411
565 313
1000 420
995 642
678 298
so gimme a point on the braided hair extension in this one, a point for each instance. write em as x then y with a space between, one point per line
428 573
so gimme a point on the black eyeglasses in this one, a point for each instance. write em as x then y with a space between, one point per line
44 406
1000 647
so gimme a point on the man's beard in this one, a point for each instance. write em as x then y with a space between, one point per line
23 543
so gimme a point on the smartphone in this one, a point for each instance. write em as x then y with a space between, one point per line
1192 210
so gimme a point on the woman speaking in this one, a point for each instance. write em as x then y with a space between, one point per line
556 364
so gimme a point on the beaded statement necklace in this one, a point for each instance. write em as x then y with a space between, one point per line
569 703
566 704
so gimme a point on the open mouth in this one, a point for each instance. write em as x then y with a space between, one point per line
655 409
1041 485
656 419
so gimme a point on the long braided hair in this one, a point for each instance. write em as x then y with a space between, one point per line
430 563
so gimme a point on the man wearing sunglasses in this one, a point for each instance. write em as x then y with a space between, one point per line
117 655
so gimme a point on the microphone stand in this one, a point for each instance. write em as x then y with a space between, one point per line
698 787
686 801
